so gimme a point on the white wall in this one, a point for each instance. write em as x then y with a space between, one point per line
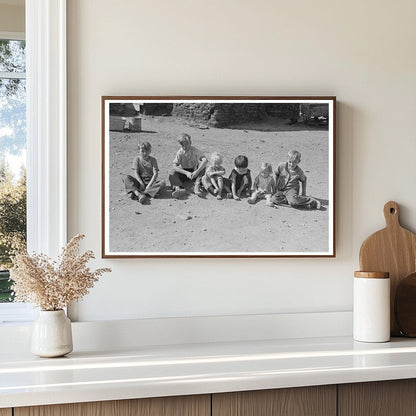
363 52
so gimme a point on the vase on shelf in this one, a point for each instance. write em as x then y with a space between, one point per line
52 334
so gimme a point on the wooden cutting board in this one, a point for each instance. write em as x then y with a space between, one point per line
393 250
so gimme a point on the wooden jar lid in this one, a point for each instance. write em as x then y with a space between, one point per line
372 275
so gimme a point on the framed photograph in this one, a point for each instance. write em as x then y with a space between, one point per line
218 177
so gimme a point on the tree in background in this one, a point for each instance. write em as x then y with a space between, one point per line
12 222
12 213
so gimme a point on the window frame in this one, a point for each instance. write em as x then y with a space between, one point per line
46 121
46 138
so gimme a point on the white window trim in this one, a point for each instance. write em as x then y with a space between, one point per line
46 125
13 75
46 133
12 35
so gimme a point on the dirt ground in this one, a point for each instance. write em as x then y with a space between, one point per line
207 225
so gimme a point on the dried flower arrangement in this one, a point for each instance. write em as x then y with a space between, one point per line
53 285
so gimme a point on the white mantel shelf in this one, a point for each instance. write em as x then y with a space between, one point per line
167 370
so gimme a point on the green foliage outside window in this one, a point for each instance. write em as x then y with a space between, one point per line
12 145
12 223
6 294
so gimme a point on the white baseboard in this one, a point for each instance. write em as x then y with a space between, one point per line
127 334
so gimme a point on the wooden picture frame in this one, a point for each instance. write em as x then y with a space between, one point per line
295 135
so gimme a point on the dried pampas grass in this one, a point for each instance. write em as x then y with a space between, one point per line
53 285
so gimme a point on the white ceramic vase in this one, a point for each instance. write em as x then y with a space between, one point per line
52 334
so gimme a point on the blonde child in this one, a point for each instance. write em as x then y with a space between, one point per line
144 184
189 164
291 184
213 178
264 185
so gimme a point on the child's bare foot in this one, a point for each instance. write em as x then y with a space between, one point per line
142 199
251 201
197 190
219 197
314 204
269 202
178 193
236 198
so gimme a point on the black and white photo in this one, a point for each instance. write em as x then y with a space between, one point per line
218 176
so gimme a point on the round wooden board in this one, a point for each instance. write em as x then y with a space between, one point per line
405 305
393 250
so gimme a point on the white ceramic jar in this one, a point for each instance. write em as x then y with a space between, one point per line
371 309
52 334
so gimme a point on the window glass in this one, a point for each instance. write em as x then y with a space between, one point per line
12 56
12 156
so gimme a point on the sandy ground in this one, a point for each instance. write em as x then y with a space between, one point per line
201 225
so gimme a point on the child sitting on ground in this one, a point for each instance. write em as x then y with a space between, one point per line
213 178
289 178
144 184
239 182
189 164
264 185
